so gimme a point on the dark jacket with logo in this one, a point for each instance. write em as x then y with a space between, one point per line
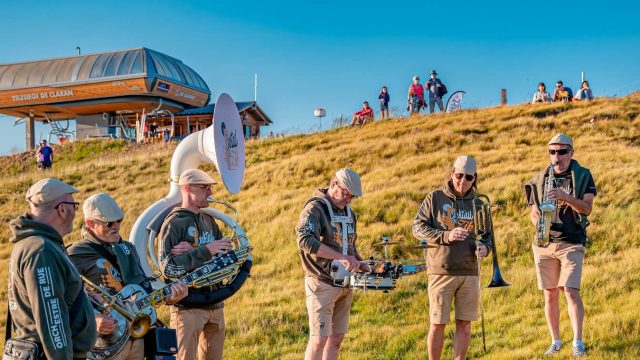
198 229
314 228
43 286
441 212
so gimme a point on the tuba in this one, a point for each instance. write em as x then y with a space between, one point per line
222 144
547 211
483 227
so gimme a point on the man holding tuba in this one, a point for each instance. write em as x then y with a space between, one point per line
559 262
111 263
445 220
49 310
187 239
326 231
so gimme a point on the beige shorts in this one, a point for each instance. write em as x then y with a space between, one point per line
559 265
464 290
328 307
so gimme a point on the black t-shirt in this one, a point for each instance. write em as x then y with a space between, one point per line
564 227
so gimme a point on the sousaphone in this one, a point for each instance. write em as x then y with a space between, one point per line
222 144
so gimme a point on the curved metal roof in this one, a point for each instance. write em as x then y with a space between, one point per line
141 62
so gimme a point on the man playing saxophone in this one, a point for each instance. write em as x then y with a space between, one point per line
188 238
111 263
559 262
445 220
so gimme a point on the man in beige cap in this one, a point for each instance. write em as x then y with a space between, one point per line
187 239
326 235
46 298
112 263
445 221
559 264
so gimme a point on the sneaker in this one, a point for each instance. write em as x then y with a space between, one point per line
579 350
552 350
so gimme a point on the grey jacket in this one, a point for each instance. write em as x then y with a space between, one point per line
43 285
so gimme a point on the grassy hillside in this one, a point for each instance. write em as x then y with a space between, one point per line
400 161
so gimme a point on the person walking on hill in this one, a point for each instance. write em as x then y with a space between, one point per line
584 93
363 115
384 102
326 235
541 96
436 91
562 93
49 311
559 263
445 221
415 96
44 156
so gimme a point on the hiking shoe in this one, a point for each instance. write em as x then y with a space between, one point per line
579 350
552 350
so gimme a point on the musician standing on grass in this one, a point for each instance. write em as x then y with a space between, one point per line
320 241
187 239
559 264
111 263
46 299
445 220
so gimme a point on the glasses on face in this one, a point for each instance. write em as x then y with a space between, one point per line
466 176
75 205
559 151
346 193
108 224
203 186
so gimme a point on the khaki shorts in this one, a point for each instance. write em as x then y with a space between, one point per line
328 307
559 265
444 288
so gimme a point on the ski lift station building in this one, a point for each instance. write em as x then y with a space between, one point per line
107 94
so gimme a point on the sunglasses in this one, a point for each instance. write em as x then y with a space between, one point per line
109 224
559 151
466 176
75 205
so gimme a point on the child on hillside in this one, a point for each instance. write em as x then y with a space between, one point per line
384 102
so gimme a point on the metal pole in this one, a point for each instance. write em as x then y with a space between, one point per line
30 130
503 96
582 77
255 87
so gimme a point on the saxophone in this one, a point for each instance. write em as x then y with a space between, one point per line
547 211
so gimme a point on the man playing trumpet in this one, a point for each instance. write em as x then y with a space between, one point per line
445 220
320 240
111 263
559 262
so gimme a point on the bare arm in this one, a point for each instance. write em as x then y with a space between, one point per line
581 206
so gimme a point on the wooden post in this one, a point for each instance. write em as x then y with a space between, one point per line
503 96
30 131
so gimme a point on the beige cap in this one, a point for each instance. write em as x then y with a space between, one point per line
561 139
47 190
465 164
101 207
351 180
195 177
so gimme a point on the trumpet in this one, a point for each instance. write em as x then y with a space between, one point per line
138 324
547 211
483 228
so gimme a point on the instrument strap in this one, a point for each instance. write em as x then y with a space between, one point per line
105 254
343 221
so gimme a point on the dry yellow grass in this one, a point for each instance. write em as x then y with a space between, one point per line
400 161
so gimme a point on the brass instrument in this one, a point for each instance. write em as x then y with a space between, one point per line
139 324
483 227
547 211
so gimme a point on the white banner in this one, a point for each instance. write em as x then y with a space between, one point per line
455 101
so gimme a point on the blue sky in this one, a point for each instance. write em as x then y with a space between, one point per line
335 54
